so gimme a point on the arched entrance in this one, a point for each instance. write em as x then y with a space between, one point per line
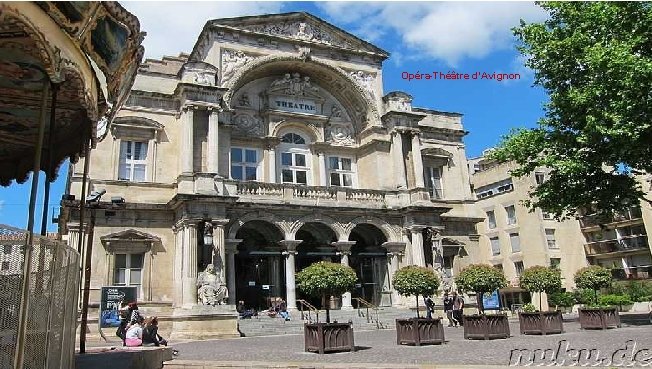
316 246
259 268
369 260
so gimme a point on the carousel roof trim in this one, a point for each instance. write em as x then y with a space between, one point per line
88 52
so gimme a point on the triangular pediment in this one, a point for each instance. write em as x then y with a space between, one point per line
131 235
300 27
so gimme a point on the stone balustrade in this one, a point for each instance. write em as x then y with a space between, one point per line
251 191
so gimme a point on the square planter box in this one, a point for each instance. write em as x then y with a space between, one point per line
486 327
328 337
599 318
419 332
542 322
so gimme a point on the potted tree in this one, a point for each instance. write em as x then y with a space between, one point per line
541 279
593 278
325 279
417 281
481 279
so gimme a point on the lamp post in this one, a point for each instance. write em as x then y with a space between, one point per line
93 204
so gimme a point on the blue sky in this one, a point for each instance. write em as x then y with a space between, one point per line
464 37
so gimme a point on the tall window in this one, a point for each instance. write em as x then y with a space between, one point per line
550 238
491 219
295 159
433 182
495 246
340 171
133 161
515 240
244 164
539 177
128 269
518 266
511 214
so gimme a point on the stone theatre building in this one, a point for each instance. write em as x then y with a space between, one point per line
275 137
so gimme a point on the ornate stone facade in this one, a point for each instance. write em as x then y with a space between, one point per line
288 158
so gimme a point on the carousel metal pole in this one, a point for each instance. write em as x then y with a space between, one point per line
48 174
27 253
82 211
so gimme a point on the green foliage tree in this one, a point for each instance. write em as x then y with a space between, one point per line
594 59
541 279
593 278
415 280
325 279
480 278
561 298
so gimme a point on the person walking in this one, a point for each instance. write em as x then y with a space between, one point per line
448 308
458 309
430 306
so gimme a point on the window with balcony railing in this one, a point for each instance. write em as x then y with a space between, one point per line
518 267
550 238
340 171
511 214
244 164
491 219
495 246
515 241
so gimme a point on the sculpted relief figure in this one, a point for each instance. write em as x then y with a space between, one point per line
293 84
211 290
341 134
232 61
366 80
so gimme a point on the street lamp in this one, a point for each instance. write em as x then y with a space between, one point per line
208 234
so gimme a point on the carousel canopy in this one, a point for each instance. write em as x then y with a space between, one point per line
81 55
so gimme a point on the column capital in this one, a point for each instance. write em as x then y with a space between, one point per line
290 246
218 223
231 245
343 246
188 108
394 247
417 228
270 142
214 110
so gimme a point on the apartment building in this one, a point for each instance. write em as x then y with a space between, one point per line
514 238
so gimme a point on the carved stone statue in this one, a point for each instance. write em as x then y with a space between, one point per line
211 290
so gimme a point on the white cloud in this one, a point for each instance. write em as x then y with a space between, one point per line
173 27
445 31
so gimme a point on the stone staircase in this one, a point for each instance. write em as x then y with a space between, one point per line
266 326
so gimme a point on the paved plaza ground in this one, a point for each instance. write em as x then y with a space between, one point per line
379 346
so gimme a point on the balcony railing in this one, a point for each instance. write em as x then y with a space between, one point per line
261 191
642 272
592 221
626 244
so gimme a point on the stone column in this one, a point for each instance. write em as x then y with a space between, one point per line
231 248
213 141
275 271
178 265
187 144
189 274
344 250
394 253
417 160
219 254
407 258
270 147
399 162
290 283
323 169
418 257
73 235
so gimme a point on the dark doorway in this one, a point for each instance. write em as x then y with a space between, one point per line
259 265
369 260
316 247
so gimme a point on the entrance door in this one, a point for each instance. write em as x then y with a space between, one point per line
259 278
